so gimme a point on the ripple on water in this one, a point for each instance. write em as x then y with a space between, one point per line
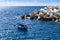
37 30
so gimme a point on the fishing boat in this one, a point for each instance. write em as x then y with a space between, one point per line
22 27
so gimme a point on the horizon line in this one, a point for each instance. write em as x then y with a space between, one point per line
28 4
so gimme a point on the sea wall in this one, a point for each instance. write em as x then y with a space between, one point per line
50 13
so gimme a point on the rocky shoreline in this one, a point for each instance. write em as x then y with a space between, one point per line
51 13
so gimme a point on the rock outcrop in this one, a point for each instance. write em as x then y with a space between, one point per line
51 13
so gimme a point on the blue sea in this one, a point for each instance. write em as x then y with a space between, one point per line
37 30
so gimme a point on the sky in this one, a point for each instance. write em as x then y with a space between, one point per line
29 2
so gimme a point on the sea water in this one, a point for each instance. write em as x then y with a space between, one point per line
37 30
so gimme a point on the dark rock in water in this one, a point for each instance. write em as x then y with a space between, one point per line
32 17
46 19
22 17
28 15
36 17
